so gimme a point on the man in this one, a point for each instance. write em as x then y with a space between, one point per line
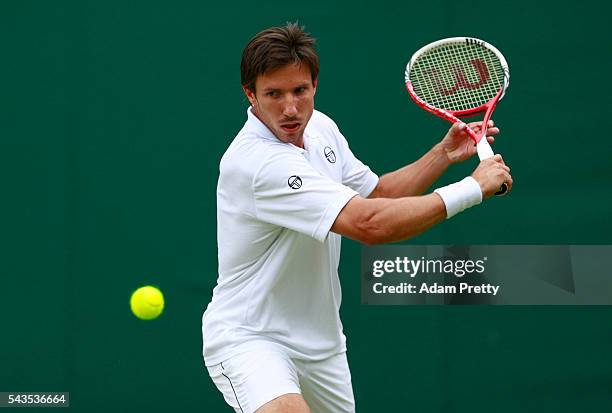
289 187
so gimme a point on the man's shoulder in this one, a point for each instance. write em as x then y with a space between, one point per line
321 120
249 151
323 126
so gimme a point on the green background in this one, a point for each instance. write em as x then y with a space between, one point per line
113 118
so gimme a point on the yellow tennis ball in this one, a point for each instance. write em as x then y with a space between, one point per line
147 303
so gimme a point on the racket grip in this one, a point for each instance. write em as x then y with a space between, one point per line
484 149
484 152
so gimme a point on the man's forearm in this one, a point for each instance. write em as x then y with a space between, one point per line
382 220
415 178
408 217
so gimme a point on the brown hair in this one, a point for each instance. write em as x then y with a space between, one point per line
277 47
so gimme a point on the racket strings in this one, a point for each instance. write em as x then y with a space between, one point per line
457 76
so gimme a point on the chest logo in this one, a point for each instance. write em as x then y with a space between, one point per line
294 182
330 155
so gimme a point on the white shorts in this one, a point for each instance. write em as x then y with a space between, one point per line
253 378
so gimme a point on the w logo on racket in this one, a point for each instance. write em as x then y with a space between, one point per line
461 80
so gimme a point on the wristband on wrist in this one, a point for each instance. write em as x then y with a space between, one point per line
460 195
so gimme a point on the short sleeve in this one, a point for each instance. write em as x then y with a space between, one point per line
355 174
288 192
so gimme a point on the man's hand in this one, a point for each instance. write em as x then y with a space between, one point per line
457 144
491 174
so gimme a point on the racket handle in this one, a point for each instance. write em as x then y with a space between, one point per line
484 149
484 152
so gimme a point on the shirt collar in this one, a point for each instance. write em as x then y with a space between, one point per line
256 125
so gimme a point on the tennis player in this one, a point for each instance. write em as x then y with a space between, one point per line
289 188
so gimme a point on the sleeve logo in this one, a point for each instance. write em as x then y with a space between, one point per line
294 182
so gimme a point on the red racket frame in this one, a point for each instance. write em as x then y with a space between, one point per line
452 116
482 145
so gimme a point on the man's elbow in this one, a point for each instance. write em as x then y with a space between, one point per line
370 232
363 220
370 240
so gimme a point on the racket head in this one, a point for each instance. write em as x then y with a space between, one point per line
459 75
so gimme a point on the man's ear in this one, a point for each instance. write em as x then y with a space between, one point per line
249 94
314 85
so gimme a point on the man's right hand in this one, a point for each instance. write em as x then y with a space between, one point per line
490 174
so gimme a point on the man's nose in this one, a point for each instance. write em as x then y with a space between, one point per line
290 107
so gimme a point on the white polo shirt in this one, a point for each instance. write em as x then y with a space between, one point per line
278 261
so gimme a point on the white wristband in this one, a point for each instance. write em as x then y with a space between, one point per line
460 195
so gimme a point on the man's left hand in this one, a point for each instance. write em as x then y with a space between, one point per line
457 144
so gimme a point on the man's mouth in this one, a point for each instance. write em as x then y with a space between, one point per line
290 127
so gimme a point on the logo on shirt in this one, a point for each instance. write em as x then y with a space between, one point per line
294 182
329 154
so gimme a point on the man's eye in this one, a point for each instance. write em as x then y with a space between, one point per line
272 94
300 89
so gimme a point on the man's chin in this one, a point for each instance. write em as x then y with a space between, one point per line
293 137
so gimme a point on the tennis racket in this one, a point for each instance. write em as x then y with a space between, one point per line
457 77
